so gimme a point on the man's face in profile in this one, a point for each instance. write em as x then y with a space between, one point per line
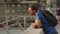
31 12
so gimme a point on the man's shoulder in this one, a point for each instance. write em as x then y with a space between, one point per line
38 13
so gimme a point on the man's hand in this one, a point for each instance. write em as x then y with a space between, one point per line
35 26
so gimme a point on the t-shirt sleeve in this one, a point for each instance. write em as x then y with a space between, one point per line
38 16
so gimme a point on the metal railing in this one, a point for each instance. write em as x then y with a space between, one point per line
6 27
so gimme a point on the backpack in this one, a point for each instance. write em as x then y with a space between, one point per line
50 18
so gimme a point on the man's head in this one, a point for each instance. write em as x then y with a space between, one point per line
32 9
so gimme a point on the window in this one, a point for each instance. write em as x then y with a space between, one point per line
13 5
18 11
13 11
24 7
6 11
19 5
23 11
5 5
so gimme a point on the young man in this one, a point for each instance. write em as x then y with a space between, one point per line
41 21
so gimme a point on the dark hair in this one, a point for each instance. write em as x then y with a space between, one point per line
33 7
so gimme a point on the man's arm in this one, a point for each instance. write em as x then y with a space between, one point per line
37 24
38 20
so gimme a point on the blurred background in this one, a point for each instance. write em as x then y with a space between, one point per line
14 13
